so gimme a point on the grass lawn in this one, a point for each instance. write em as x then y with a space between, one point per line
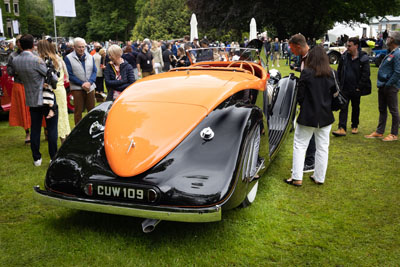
352 220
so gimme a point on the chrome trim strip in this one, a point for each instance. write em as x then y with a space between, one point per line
211 214
130 145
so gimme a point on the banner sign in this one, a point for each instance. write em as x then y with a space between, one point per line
64 8
15 25
1 23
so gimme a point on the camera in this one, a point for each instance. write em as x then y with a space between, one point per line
51 75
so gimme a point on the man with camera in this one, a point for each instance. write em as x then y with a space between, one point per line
299 47
32 71
82 73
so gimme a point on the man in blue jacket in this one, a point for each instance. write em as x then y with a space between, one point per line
82 77
388 86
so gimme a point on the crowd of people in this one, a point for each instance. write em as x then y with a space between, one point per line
376 43
94 69
316 87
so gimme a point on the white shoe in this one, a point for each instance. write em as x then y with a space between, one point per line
38 162
278 66
272 65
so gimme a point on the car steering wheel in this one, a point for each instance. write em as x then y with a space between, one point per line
241 65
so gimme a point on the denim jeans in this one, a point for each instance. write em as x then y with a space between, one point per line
387 98
37 114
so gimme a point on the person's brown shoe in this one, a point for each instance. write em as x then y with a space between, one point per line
354 130
339 132
390 137
374 135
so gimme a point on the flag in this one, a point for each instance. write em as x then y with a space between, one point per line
1 23
64 8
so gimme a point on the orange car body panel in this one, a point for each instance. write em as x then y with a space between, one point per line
162 110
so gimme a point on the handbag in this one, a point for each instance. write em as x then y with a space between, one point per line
339 101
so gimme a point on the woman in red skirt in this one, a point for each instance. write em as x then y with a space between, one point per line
19 112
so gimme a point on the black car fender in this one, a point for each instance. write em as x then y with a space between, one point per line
196 173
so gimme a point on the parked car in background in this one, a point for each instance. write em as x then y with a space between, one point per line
335 52
378 56
6 83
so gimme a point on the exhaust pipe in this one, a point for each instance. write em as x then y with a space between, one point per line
149 225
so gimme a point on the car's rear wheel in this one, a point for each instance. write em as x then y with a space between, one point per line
251 196
251 165
333 58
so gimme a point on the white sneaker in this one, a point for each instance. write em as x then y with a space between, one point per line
38 162
272 65
278 66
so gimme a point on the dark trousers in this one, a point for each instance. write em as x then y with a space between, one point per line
37 114
354 98
100 84
310 153
387 98
110 94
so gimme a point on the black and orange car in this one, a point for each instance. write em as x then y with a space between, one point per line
183 145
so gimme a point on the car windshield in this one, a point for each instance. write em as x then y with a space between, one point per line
223 54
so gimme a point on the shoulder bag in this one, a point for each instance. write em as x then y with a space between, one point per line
339 101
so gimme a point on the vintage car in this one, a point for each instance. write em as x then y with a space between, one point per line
335 52
183 145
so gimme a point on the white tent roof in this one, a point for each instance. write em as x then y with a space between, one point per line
351 30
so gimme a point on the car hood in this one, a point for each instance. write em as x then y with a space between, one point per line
155 114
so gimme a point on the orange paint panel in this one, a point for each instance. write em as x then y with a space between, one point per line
197 87
155 128
159 111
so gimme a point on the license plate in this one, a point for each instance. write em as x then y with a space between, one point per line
123 192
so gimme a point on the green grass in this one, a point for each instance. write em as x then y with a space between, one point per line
352 220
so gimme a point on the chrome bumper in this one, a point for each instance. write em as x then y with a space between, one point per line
209 214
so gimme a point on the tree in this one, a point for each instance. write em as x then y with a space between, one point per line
42 9
162 19
111 19
312 18
36 25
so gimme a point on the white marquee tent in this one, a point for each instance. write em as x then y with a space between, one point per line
351 30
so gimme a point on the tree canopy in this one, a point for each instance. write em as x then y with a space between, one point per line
111 19
225 20
36 25
312 18
40 17
162 19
